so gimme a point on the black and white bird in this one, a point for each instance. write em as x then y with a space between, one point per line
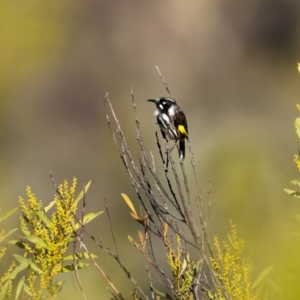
172 122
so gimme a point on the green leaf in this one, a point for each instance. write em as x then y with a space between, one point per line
295 182
83 192
44 218
49 206
230 239
60 285
17 270
7 234
70 239
197 266
19 287
183 267
34 267
262 276
22 259
17 243
211 295
24 229
71 267
4 288
80 255
26 289
129 203
38 241
87 218
161 294
292 193
8 213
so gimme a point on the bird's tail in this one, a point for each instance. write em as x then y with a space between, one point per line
181 149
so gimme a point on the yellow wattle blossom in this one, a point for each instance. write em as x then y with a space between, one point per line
233 271
297 161
53 234
297 128
182 269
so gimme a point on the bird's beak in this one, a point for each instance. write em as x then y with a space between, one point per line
152 100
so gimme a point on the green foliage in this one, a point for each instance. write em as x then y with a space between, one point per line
45 241
233 270
5 289
184 271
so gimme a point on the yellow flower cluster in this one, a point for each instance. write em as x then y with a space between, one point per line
183 270
233 271
297 128
297 161
6 275
47 239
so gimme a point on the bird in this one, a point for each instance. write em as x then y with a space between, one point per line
172 122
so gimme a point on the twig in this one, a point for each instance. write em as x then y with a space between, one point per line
110 227
165 84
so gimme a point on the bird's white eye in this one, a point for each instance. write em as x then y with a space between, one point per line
164 102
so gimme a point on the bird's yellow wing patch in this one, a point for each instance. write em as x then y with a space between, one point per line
182 130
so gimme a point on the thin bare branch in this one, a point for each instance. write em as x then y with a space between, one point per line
165 84
110 227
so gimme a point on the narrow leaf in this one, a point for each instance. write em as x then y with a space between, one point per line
292 193
88 218
49 206
26 289
8 213
136 217
34 267
71 267
295 182
83 192
17 243
7 234
230 239
129 203
4 288
165 230
38 241
262 276
17 270
132 241
161 294
24 229
22 259
60 286
44 218
80 255
130 238
141 237
19 287
183 267
211 295
297 124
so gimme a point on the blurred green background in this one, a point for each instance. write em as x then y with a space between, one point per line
232 67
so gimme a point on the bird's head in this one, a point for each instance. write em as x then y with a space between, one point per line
163 103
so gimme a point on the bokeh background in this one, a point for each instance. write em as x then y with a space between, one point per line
231 65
